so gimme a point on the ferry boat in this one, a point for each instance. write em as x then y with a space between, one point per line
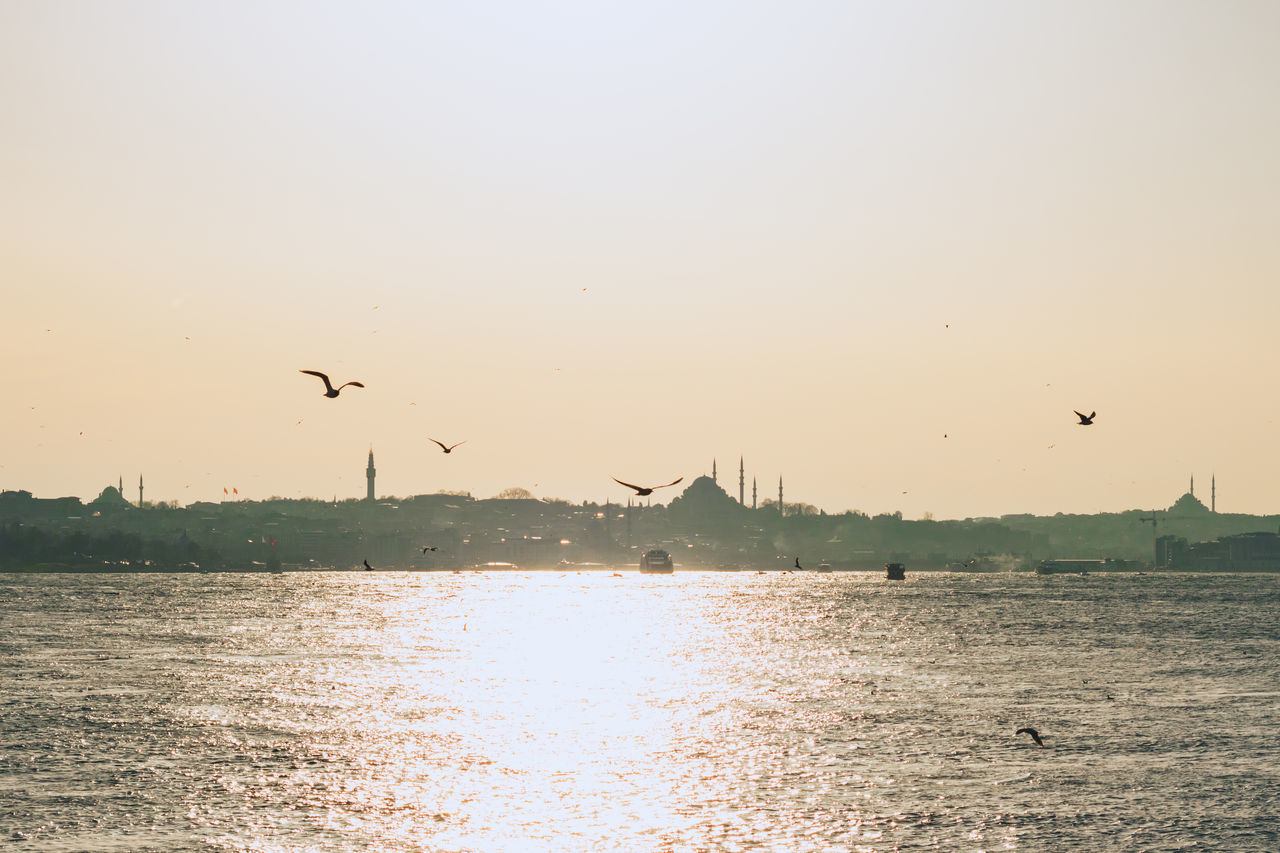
895 571
656 561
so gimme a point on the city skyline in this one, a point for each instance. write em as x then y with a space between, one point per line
232 493
883 253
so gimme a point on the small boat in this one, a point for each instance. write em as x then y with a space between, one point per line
895 571
656 561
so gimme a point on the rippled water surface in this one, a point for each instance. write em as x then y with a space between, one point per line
696 711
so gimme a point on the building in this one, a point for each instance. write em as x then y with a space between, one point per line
1243 552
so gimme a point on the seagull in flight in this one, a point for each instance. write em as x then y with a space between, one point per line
329 390
447 448
367 567
426 548
1085 420
1035 735
647 490
798 566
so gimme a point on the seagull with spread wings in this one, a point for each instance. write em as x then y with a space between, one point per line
447 448
647 490
329 390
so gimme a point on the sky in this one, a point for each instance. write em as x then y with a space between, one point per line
880 250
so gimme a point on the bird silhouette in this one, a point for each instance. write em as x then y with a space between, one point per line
798 566
329 390
647 490
426 548
367 567
1035 735
447 448
1085 420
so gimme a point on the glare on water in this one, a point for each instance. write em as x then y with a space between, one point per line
582 711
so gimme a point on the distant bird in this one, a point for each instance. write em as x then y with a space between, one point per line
798 566
1035 735
367 567
329 390
1085 420
448 448
647 490
426 548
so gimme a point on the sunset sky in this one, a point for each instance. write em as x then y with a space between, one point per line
880 249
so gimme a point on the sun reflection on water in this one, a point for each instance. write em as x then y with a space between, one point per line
554 721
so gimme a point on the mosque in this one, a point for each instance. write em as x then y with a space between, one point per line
742 484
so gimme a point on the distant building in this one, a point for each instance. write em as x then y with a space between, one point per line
370 473
1244 552
110 499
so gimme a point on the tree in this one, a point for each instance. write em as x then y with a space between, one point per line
515 493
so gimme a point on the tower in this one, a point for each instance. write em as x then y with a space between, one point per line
713 471
1193 485
742 483
120 488
1213 493
780 510
753 492
139 491
369 474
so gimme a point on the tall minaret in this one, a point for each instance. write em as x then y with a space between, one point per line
1193 485
139 491
742 483
1213 493
369 473
713 471
753 492
780 509
120 488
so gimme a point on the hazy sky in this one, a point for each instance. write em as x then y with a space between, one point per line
880 249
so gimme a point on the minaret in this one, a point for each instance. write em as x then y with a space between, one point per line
713 471
139 491
753 492
120 488
780 510
369 473
742 483
1193 485
1213 493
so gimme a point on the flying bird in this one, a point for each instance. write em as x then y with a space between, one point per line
798 566
329 390
1035 735
447 448
1085 420
367 567
426 548
647 490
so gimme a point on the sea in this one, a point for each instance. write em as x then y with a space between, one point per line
607 710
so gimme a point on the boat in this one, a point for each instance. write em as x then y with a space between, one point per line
656 561
824 567
895 571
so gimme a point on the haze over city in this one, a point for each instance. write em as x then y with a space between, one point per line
881 251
